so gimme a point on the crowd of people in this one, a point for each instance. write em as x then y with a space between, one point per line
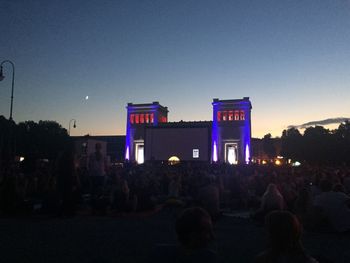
316 197
315 194
194 229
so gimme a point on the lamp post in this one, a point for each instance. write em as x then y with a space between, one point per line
74 125
13 81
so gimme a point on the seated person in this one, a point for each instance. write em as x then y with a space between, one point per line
335 206
270 201
194 232
209 198
312 218
284 230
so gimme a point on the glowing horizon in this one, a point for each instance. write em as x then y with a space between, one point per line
87 59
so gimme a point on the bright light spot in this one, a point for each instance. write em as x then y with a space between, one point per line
140 154
87 97
231 155
173 160
278 162
21 159
296 163
127 153
264 162
247 154
215 154
279 157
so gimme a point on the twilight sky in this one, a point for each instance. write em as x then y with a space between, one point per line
292 58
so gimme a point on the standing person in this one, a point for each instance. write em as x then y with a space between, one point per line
97 169
65 172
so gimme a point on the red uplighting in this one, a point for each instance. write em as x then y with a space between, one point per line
224 115
162 119
242 117
236 115
230 115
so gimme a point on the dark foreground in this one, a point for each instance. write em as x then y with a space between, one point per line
130 239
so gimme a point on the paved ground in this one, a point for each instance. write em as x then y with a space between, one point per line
124 239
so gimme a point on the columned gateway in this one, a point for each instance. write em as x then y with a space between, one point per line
138 117
231 131
150 137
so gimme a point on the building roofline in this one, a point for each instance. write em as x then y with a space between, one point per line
244 101
183 124
154 104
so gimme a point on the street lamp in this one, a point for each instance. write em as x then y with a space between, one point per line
74 125
13 81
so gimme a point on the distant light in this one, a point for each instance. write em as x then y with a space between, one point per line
127 157
215 154
296 163
264 162
87 97
21 159
173 160
278 162
247 154
279 157
139 153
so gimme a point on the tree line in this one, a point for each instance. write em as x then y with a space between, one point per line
317 145
35 140
46 139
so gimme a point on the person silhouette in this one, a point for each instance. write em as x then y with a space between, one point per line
194 232
284 231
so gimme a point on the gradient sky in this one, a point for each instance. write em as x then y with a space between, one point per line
292 58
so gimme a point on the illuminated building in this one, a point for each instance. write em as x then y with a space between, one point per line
140 117
150 137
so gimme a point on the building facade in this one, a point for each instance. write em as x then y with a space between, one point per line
150 137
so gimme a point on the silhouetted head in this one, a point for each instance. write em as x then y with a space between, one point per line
284 230
338 188
98 147
194 228
325 185
272 190
304 198
65 161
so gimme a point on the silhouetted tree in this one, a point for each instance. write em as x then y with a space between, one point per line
344 130
44 139
292 144
342 137
268 146
317 146
7 144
